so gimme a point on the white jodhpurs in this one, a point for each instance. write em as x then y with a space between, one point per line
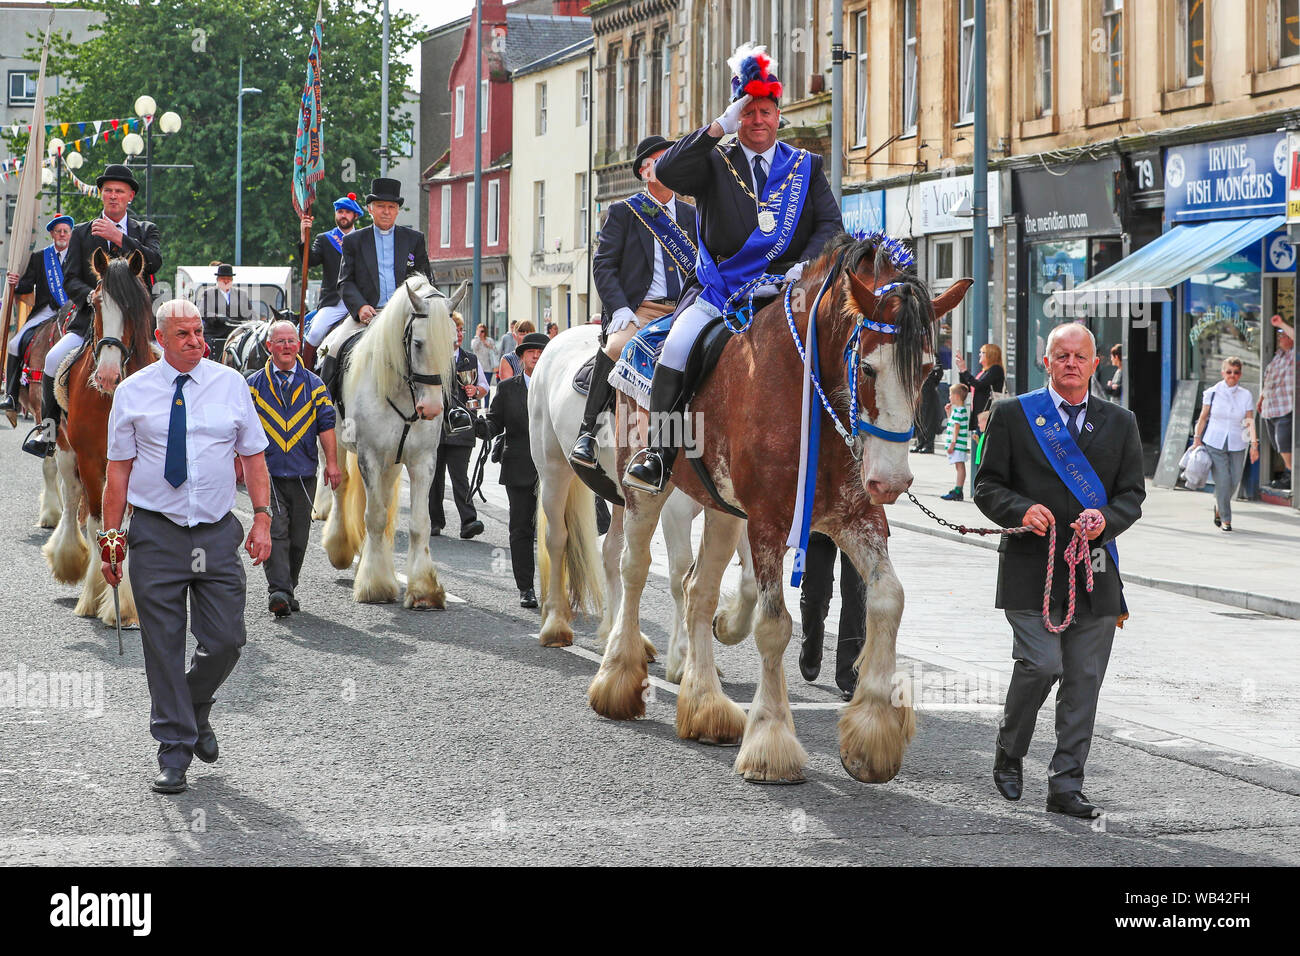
59 351
324 320
685 330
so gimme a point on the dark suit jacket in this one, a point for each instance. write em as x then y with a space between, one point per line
1015 474
728 216
359 272
625 259
509 414
213 305
33 280
324 254
78 276
466 361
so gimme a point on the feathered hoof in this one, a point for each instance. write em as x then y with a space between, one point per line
726 631
771 753
763 776
375 594
49 519
873 737
68 565
711 719
619 693
555 633
430 602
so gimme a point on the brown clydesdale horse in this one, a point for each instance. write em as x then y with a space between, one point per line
747 419
121 342
29 401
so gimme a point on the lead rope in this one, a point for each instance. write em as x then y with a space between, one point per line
1076 553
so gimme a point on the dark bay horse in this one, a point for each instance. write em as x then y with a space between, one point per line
121 343
29 400
748 419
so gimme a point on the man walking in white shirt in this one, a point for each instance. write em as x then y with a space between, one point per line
173 434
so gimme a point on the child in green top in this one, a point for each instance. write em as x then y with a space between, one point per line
957 437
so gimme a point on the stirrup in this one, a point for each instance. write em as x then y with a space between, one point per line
458 421
586 442
646 458
36 445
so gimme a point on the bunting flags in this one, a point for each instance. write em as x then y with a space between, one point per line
308 159
123 126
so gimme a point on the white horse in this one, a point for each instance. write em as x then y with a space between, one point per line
566 528
394 393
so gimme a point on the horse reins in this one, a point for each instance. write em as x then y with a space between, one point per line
412 378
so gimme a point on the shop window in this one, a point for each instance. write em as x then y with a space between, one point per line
1221 310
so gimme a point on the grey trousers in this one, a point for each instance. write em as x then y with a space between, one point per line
1225 467
291 500
168 564
1078 659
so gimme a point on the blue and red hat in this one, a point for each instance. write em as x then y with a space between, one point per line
349 202
753 74
49 226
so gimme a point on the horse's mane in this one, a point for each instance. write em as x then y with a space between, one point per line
914 341
380 355
128 291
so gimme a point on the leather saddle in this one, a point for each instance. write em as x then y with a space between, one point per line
334 365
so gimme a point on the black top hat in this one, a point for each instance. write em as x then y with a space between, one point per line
118 173
533 340
646 148
385 190
225 271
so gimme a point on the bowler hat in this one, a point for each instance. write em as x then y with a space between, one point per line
533 340
225 271
118 173
645 149
385 190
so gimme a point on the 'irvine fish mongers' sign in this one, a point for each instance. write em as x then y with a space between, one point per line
1228 179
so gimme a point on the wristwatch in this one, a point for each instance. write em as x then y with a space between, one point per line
261 510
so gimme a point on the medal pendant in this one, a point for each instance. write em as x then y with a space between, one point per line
1040 421
766 221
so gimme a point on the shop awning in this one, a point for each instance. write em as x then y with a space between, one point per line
1184 251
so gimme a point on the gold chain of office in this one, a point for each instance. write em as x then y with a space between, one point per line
776 193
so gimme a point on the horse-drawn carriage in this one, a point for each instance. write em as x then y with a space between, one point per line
265 293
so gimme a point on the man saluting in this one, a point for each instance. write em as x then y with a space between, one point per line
764 208
1058 457
118 234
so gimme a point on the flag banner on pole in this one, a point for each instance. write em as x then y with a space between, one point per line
308 160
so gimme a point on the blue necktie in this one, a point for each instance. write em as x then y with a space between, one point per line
174 464
284 387
760 176
1072 417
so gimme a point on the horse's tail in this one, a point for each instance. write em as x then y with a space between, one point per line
582 574
345 529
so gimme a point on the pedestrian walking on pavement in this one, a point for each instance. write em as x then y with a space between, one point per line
455 450
956 437
815 603
1276 403
485 350
295 410
1227 430
174 432
509 415
1058 457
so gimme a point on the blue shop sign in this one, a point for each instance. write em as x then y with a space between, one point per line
864 212
1227 179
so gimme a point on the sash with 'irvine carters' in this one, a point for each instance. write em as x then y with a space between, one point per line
671 237
1067 460
335 236
790 175
54 277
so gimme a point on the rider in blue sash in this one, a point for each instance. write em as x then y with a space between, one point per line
764 209
43 276
327 252
1058 456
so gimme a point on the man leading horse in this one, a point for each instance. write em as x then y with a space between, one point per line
764 208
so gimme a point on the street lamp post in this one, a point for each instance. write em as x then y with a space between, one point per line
133 144
239 165
55 150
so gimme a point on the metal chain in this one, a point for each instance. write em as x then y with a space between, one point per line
961 528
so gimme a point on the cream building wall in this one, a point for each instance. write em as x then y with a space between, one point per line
549 267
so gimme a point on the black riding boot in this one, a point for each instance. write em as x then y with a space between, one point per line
650 471
9 403
41 440
598 400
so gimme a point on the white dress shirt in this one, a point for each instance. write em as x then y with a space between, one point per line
659 280
1056 403
768 154
220 422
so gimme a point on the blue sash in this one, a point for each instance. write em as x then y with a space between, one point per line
1066 458
335 236
664 228
54 277
720 281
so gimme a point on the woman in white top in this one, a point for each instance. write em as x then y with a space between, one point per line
1227 428
485 350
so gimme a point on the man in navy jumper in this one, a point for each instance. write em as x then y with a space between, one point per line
295 409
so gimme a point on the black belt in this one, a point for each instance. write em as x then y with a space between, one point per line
669 302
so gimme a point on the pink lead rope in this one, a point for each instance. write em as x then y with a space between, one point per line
1076 553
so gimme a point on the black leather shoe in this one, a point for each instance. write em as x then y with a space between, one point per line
527 598
279 604
35 445
293 603
810 653
472 529
1008 776
1073 804
584 451
170 780
458 420
7 404
435 532
646 474
205 748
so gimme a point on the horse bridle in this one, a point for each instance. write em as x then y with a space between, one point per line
108 340
413 378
